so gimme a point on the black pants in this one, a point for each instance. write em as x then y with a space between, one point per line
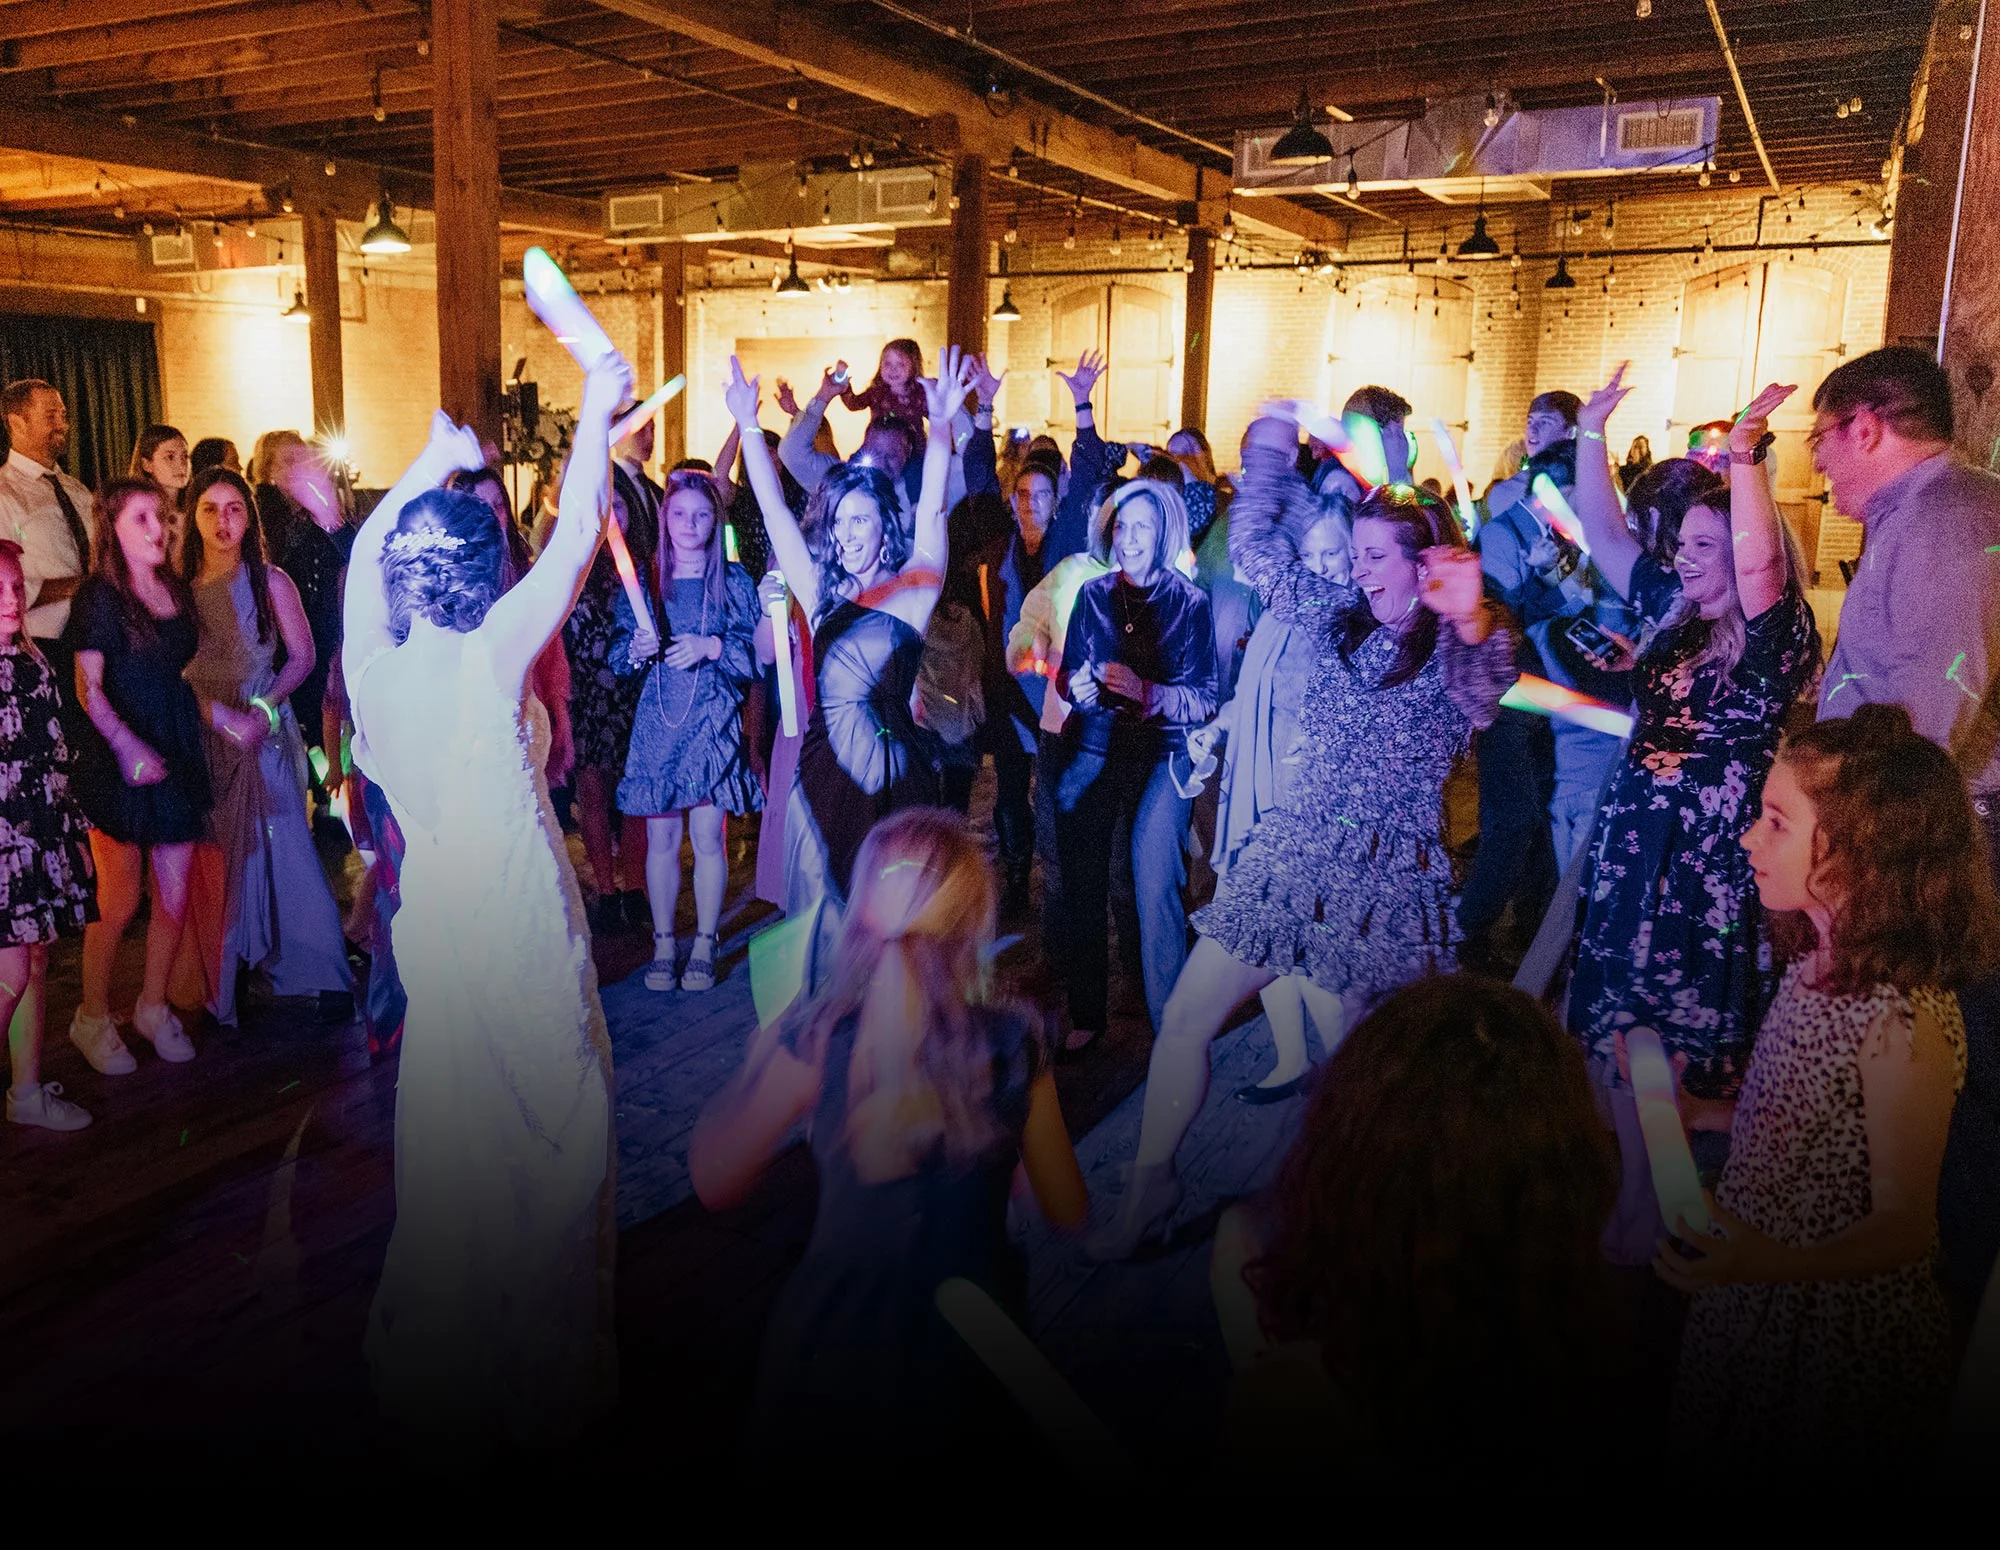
1516 859
1013 802
1969 1186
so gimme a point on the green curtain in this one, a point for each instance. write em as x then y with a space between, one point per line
108 373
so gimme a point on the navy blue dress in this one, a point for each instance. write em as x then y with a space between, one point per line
857 1358
1672 935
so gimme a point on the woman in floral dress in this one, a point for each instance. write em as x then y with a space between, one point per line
601 707
1672 934
1349 880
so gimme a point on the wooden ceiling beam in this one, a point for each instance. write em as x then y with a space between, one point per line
787 38
28 126
99 44
43 17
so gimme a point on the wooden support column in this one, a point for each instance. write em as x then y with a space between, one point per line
1927 186
673 351
466 174
965 296
322 253
1200 324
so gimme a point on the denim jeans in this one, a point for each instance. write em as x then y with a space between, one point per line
1091 793
1013 803
1516 859
1584 761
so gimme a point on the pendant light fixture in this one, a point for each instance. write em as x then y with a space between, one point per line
792 285
297 312
1560 280
1006 312
1302 144
385 236
1479 244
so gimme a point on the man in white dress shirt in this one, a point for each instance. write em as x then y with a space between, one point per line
45 511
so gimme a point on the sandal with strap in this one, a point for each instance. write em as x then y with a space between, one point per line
660 972
700 972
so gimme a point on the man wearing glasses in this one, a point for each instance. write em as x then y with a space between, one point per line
1921 628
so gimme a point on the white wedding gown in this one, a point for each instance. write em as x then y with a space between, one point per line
493 1318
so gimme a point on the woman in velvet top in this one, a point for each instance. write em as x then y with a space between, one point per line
1139 667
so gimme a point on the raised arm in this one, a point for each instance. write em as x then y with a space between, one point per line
365 610
521 623
943 394
1268 521
725 461
788 544
982 469
1596 495
1757 535
797 449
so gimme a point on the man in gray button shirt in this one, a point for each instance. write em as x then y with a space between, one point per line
1921 628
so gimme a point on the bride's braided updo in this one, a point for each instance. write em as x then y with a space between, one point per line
443 563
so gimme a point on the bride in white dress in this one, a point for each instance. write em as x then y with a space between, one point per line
492 1324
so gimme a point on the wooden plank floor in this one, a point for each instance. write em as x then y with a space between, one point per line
192 1274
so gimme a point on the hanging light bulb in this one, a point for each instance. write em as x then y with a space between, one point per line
145 228
951 204
1610 218
805 186
1117 238
1703 179
826 211
1840 110
854 158
385 236
1611 275
1854 104
1012 234
1645 9
930 200
1736 174
249 226
1353 178
1492 111
868 157
791 104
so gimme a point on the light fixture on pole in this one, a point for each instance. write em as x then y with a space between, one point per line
385 236
1302 144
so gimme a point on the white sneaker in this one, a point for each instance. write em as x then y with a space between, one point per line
162 1029
98 1038
47 1109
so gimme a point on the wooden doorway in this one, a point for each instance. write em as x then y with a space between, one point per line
1412 333
1136 397
1779 321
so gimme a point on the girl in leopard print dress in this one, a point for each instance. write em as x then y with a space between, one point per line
1817 1324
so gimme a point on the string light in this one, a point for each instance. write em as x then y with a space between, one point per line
1353 178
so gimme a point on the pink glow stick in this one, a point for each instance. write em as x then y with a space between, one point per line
1549 699
665 393
1468 514
554 300
628 574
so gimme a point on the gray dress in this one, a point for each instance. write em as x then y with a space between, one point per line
278 913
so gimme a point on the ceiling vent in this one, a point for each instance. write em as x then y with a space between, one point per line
1450 151
171 249
838 209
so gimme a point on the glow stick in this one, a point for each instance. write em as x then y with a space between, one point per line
628 574
1085 1442
778 965
665 393
554 300
1371 463
1468 514
729 544
1543 698
316 757
1675 1182
779 610
1561 517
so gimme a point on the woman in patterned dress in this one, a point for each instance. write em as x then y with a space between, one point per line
1818 1326
601 707
1671 931
1350 881
45 872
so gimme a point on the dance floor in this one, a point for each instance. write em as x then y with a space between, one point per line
192 1275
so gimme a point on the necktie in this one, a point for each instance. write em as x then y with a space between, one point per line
75 522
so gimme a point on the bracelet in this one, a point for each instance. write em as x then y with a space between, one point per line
268 709
1591 435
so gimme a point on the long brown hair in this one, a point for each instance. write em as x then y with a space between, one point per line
151 439
916 931
1439 1218
10 554
108 563
255 554
715 565
1422 521
1898 855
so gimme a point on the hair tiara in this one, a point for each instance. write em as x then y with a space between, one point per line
425 541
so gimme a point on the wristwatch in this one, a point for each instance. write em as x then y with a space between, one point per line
1763 448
